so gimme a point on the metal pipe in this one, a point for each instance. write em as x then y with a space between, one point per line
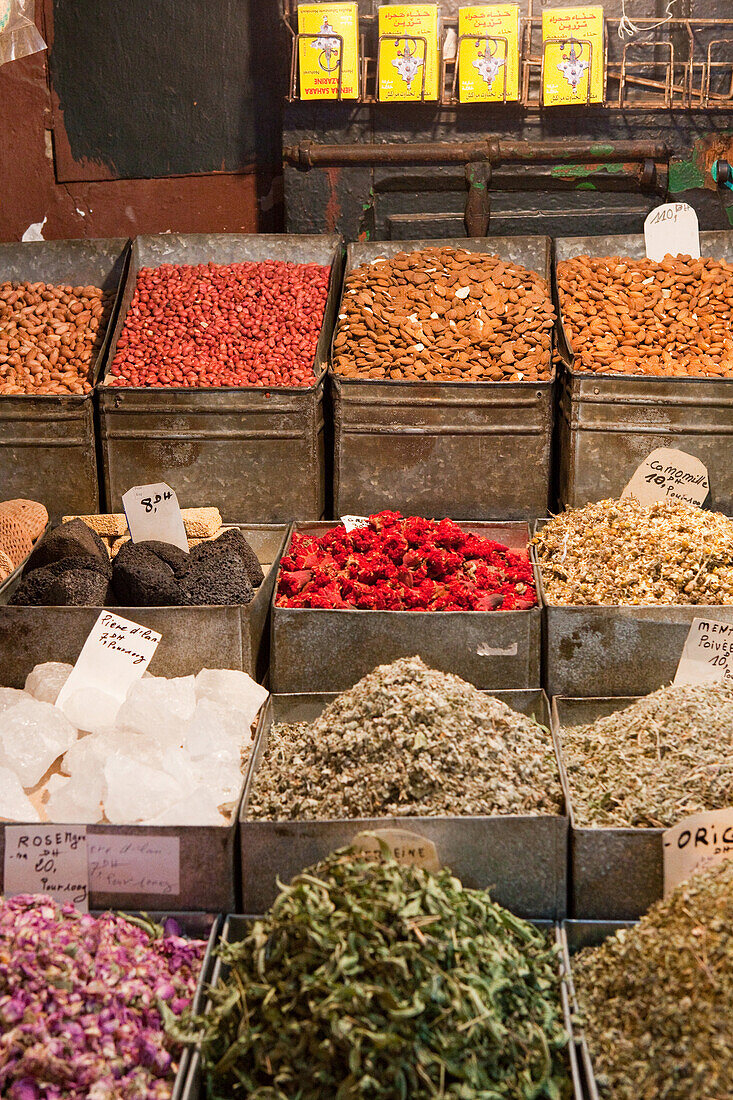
494 150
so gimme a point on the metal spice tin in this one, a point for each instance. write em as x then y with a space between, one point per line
608 424
603 650
574 935
440 448
324 650
615 873
47 441
252 451
523 858
235 929
224 636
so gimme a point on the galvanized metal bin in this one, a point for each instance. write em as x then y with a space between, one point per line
235 929
521 857
615 873
574 935
47 442
222 636
253 452
322 650
608 424
446 448
605 650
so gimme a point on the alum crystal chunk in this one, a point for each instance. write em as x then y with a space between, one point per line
215 729
90 709
14 802
199 808
32 735
10 696
76 800
135 791
231 688
158 708
46 680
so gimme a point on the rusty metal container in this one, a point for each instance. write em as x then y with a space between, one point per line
608 424
615 873
522 857
193 637
47 442
322 650
235 929
615 649
449 448
253 452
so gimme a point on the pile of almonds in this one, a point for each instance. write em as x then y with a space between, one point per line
50 337
21 523
671 318
444 314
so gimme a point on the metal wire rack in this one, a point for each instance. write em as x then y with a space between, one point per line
684 63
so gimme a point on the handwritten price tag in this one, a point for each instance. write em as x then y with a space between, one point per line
134 864
707 657
696 843
115 654
405 847
353 523
47 859
672 229
153 515
669 474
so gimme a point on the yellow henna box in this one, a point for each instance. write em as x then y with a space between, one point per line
404 60
573 48
318 57
490 59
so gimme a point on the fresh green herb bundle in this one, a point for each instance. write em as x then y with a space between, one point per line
374 980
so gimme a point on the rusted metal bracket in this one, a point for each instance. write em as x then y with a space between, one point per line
478 202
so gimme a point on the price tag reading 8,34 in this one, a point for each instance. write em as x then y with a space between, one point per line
153 515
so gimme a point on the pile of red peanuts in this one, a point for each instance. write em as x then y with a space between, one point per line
243 324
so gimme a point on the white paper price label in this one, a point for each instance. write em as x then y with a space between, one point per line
707 657
134 864
153 515
669 474
405 847
672 229
115 655
353 523
696 843
47 859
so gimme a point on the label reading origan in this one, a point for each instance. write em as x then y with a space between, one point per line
707 657
153 515
47 859
669 474
672 230
405 847
696 843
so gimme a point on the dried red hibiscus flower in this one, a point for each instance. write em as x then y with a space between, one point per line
398 564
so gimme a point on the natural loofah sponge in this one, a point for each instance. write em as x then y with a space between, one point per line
15 539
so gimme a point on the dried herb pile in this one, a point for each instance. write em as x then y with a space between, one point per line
664 757
617 552
373 980
656 998
408 740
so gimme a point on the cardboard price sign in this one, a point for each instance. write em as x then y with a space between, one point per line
353 523
669 474
707 657
696 843
134 864
47 859
672 229
153 515
403 846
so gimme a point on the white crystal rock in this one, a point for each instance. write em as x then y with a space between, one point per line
32 735
199 808
75 800
135 791
178 764
215 729
222 776
158 708
85 755
46 680
231 688
90 709
10 696
14 802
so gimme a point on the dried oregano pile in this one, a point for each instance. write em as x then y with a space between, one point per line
664 757
617 552
408 740
656 999
372 980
